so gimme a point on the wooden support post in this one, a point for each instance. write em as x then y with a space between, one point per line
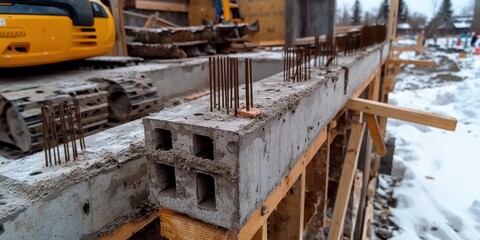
392 19
120 48
262 233
149 22
377 137
367 225
346 181
259 216
287 221
402 113
316 191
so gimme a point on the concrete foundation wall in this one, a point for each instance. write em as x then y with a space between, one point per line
250 156
75 200
182 78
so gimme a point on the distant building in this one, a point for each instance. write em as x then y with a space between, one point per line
462 24
404 29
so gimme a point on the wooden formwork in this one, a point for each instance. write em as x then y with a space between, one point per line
299 198
325 178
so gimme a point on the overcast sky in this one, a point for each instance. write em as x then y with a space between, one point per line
422 6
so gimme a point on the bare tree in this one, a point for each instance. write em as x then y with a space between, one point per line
344 17
435 4
417 21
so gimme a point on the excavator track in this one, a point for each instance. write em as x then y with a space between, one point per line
101 101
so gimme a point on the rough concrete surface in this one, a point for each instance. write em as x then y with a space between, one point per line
250 156
77 199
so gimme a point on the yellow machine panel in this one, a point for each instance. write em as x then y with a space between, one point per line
35 39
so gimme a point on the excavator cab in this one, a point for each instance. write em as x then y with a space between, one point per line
36 32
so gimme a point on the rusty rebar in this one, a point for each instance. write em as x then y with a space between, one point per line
66 148
45 134
78 118
72 133
250 73
210 82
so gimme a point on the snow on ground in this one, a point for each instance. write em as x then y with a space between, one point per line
439 196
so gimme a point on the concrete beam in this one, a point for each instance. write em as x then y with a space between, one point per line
250 156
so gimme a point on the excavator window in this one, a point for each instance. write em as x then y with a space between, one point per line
19 8
99 11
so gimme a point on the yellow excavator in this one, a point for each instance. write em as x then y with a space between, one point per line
36 32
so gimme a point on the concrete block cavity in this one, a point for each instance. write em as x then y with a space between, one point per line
205 191
163 139
165 178
225 167
203 146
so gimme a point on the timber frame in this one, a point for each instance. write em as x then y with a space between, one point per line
326 177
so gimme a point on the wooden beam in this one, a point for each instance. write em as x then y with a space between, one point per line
374 88
176 226
262 233
421 63
257 219
367 223
402 113
346 181
161 6
392 19
127 230
377 137
389 83
286 222
357 194
120 48
401 49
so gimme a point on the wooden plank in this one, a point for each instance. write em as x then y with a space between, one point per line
392 19
402 113
120 48
197 95
160 21
367 223
271 16
374 88
257 219
262 233
175 226
406 48
286 222
199 10
161 6
357 193
149 22
345 29
377 137
346 181
317 185
421 63
389 83
127 230
272 43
